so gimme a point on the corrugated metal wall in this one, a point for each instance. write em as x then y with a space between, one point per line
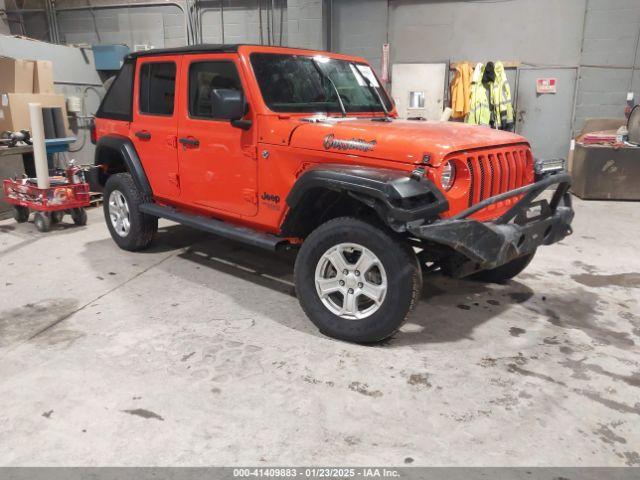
165 24
598 39
610 58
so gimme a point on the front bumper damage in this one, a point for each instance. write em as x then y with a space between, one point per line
527 225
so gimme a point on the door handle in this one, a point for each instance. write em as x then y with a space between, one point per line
189 142
143 135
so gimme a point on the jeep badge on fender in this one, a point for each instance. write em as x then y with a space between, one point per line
367 199
268 197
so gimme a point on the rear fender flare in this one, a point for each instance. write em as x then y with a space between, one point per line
127 151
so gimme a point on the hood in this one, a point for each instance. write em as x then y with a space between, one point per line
404 141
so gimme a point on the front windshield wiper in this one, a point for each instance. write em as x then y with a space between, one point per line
387 117
335 89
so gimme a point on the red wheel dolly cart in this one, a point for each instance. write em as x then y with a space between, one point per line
67 194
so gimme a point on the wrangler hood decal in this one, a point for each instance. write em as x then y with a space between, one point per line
332 143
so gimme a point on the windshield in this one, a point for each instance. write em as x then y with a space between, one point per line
296 83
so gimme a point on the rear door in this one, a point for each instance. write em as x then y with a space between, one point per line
218 165
154 126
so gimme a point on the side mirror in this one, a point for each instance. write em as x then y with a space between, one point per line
229 104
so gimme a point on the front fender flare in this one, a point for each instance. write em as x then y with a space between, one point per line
396 197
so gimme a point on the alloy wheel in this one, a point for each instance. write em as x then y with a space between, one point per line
119 213
351 281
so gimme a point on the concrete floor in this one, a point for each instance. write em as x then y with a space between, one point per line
197 353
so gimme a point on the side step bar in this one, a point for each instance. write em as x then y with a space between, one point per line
217 227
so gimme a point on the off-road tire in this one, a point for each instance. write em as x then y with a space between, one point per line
42 221
142 227
404 280
504 272
79 216
21 214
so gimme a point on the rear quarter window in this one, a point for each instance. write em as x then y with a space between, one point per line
118 101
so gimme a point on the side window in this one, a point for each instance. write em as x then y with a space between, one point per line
157 88
203 78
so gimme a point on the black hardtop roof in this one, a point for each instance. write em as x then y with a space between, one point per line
200 48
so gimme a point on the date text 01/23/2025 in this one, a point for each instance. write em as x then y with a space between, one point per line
315 473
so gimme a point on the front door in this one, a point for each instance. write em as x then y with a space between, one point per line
218 167
154 126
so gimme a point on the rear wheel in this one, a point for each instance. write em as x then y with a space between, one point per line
504 272
129 228
355 281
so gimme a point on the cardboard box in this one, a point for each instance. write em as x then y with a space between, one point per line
16 76
43 76
14 109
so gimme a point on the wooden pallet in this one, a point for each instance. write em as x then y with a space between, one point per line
95 199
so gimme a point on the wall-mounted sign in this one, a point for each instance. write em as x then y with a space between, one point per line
546 85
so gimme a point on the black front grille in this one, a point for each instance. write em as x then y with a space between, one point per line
497 172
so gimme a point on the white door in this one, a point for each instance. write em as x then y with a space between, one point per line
418 89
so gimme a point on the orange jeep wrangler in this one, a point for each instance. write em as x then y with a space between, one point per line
290 148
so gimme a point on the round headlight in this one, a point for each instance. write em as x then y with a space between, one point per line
448 175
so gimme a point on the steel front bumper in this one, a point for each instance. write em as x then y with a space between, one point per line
527 225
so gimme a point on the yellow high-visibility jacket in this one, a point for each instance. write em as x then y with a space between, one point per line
479 110
501 98
461 91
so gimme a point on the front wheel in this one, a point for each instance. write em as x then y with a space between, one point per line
504 272
355 281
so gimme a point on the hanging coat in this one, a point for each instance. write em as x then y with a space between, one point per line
502 107
461 90
479 111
